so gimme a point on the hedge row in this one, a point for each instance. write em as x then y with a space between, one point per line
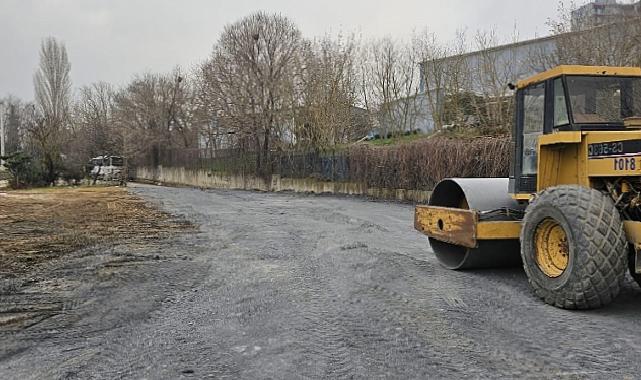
420 165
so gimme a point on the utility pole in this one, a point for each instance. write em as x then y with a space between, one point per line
2 135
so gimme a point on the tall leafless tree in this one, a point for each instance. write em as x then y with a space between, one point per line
52 85
154 112
434 73
93 120
491 74
446 76
580 41
391 84
327 87
250 77
15 119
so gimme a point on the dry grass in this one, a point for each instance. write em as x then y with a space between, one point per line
37 225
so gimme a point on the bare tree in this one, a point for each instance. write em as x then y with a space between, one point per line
391 76
15 119
435 73
580 41
52 95
326 107
154 112
93 120
180 113
250 78
446 78
493 70
208 111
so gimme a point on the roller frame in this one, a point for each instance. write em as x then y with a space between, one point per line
458 235
462 227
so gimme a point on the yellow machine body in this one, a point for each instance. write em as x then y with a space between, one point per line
564 157
462 227
563 160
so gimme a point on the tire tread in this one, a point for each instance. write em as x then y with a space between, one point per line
600 250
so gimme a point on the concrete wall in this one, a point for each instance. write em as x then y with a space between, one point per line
207 179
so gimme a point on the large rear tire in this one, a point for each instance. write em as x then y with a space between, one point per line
635 276
574 248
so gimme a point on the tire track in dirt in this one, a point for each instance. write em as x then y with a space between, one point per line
286 286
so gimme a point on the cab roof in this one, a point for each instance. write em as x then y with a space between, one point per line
608 71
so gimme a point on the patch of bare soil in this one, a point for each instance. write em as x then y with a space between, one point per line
39 225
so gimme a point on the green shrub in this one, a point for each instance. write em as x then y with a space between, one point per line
23 170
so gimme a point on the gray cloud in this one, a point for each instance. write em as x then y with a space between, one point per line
113 40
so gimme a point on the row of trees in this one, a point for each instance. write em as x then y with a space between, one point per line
265 88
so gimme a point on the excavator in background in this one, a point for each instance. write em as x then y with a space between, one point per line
572 203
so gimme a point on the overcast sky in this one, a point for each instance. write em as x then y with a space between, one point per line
113 40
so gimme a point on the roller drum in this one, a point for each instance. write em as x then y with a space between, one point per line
481 194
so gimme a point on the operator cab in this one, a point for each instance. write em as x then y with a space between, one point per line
569 98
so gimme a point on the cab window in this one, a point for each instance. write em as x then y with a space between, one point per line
603 100
533 121
561 116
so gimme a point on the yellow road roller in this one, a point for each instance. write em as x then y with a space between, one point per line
572 203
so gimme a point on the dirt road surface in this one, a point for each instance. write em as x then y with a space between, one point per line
289 286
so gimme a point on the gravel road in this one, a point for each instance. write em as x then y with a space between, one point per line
290 286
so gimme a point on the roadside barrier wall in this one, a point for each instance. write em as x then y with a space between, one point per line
201 178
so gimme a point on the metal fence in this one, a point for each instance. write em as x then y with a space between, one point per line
417 166
329 165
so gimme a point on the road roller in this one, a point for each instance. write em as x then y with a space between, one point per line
570 211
